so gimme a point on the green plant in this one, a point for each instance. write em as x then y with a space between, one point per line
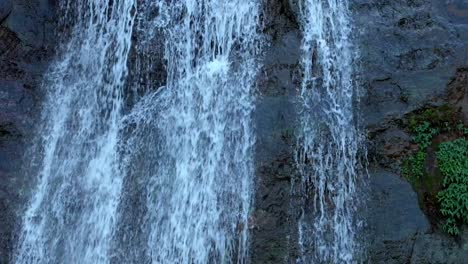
413 167
424 134
452 158
449 188
441 117
462 128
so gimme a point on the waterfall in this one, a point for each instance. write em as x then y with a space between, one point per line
199 194
138 166
71 216
130 172
329 139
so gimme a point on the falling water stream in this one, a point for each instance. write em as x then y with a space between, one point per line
186 147
71 217
329 141
199 192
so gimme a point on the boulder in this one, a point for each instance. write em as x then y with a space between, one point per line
394 213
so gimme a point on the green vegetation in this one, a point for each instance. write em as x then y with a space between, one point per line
461 127
452 158
450 191
413 167
424 134
442 117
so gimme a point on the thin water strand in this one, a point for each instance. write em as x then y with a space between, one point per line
329 140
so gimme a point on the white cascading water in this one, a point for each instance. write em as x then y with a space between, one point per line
71 217
198 131
171 180
329 140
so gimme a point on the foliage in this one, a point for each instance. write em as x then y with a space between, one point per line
464 130
424 134
443 117
413 167
452 158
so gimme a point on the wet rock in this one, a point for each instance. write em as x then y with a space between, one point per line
437 248
413 55
279 18
410 45
295 7
274 229
8 41
5 9
33 21
458 91
26 39
395 213
457 10
392 145
394 219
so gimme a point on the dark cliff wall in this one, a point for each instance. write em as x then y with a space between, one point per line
26 39
414 55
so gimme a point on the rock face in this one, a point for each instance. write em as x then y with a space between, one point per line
395 219
273 234
26 38
410 50
414 54
5 9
